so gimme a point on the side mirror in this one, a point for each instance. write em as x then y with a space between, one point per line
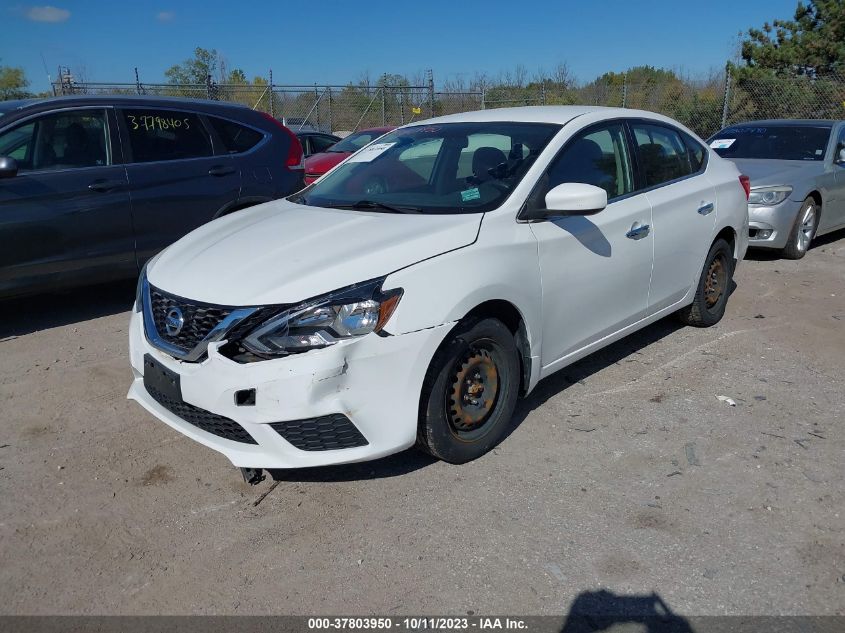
575 198
8 167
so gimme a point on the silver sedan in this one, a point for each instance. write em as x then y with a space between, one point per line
797 172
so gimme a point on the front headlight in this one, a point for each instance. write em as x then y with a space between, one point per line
769 196
344 314
139 289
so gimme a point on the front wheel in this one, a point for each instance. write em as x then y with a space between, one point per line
714 285
470 392
803 231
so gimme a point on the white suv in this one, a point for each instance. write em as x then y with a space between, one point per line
413 293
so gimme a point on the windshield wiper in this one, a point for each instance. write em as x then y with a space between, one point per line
376 206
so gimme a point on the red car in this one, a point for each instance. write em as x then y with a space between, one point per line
318 164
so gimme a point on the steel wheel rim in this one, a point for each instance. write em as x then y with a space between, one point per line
715 281
805 231
473 391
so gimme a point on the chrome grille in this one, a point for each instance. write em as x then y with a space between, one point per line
200 319
197 324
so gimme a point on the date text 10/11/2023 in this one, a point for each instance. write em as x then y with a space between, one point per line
417 623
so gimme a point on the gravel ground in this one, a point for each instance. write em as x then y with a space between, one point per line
624 473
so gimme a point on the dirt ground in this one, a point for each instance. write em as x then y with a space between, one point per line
623 474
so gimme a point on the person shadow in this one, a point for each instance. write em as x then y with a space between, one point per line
603 610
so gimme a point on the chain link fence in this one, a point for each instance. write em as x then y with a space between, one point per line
704 106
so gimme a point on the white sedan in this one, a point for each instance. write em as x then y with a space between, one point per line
420 287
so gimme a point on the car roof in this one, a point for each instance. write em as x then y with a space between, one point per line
539 114
15 104
126 100
791 122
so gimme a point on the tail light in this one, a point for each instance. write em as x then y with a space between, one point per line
295 153
746 185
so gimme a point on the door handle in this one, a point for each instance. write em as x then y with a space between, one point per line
705 208
105 185
221 170
638 232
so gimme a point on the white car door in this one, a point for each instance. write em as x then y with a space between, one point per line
683 204
595 270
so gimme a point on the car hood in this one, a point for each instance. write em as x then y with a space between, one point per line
778 172
321 163
281 252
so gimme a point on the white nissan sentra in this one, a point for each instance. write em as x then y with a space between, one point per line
413 293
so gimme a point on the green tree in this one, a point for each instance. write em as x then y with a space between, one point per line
236 76
811 44
13 83
195 70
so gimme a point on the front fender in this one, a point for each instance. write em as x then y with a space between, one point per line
444 289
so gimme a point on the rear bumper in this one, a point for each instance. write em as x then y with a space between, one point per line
375 382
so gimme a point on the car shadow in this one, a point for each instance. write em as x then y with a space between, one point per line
413 459
604 610
581 370
30 314
770 255
824 240
391 466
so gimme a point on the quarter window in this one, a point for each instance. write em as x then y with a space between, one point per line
598 157
64 140
156 135
235 138
696 152
662 153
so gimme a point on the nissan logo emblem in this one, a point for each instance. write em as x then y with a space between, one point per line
173 321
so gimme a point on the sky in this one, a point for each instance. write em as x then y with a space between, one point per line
334 42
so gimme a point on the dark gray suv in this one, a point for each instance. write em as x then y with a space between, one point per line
91 187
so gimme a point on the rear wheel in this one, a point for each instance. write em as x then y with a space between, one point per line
803 231
470 392
711 296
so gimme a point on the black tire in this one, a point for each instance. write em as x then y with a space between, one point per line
457 423
714 286
803 231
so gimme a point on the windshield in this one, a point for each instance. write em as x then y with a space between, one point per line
779 142
356 141
445 168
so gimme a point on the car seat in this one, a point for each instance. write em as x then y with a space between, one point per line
582 162
484 160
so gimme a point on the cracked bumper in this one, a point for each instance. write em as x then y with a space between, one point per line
374 381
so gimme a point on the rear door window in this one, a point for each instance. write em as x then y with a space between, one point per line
236 138
160 135
662 153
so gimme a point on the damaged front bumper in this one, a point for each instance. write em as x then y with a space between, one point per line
353 401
